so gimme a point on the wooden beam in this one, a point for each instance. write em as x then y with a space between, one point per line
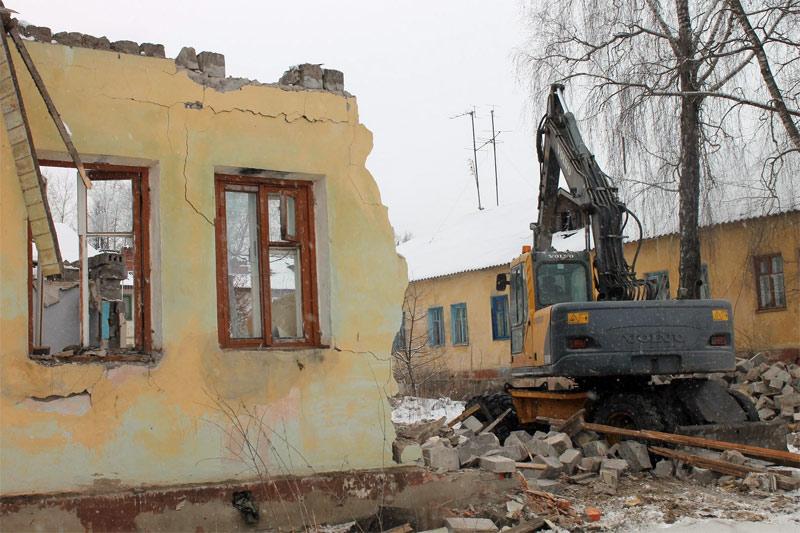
466 413
51 107
26 164
497 420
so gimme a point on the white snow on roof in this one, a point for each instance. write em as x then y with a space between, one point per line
68 244
474 241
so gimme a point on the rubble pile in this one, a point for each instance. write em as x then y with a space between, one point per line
773 387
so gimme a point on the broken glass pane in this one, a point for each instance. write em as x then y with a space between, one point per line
110 206
281 218
287 303
274 217
244 291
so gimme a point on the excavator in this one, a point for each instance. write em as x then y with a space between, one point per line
626 357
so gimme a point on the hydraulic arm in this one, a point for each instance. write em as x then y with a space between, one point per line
561 150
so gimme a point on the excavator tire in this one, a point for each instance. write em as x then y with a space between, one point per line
493 405
746 404
630 410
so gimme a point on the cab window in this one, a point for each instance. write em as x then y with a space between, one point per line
561 282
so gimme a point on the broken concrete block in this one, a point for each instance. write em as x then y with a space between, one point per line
333 80
434 441
152 50
664 468
125 47
596 448
513 440
457 524
590 464
570 458
42 34
636 454
477 446
540 447
553 467
68 38
759 387
406 451
522 435
517 452
787 400
584 437
498 464
212 63
765 401
704 476
441 458
609 477
620 465
549 485
95 43
473 424
766 414
187 58
560 442
311 76
540 435
761 480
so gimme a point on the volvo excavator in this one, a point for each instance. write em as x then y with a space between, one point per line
630 359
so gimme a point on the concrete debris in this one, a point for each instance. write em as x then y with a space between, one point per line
552 467
441 458
540 447
473 424
774 388
664 469
498 464
125 47
212 64
570 458
406 451
152 50
597 448
469 525
636 454
704 476
590 464
560 442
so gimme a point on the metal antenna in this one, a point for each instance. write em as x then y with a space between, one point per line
494 150
474 153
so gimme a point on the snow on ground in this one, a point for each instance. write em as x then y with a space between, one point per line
410 410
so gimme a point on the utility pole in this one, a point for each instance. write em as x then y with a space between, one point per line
475 158
494 151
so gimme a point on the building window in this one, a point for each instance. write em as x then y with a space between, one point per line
769 282
660 280
500 328
435 326
102 300
705 288
458 323
266 282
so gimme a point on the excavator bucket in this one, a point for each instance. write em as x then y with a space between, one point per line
763 434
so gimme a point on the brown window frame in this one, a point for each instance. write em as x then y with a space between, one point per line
140 190
304 241
756 262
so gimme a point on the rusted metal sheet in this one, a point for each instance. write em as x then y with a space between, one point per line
531 404
30 178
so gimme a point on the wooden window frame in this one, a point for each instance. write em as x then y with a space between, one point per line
453 308
495 325
441 328
140 191
756 261
305 241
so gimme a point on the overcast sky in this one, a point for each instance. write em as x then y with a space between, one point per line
412 66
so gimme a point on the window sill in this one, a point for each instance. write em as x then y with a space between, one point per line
93 357
460 344
290 348
770 309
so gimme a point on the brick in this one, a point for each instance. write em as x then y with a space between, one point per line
212 63
187 58
405 451
636 454
441 458
620 465
473 424
664 468
125 47
597 448
593 514
457 524
704 476
560 442
570 459
553 467
333 80
152 50
540 447
590 464
498 464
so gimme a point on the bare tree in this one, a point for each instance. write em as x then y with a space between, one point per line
61 198
414 362
675 86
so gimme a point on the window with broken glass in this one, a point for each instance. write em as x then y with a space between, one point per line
100 305
769 282
265 263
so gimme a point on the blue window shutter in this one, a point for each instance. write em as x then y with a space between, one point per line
453 326
494 318
465 340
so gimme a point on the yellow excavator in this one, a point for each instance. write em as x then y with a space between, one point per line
630 360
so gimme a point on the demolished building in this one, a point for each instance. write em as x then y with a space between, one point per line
254 243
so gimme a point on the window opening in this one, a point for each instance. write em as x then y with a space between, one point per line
561 282
435 326
500 327
659 280
458 319
770 282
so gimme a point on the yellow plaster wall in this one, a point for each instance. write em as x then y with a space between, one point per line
322 409
475 289
728 250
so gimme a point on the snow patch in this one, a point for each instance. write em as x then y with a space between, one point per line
410 409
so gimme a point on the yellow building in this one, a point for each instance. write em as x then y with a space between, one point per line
236 371
455 269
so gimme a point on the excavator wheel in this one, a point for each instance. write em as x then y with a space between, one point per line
631 410
746 404
492 405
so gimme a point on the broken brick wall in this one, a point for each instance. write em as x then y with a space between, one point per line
72 426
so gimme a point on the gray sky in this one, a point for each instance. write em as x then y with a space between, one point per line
412 65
